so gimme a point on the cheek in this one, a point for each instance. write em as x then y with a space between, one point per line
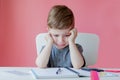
66 39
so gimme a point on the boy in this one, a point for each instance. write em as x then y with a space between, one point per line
61 50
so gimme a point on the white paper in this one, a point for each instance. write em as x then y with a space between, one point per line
51 73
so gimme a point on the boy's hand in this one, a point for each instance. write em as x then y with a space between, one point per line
73 35
48 38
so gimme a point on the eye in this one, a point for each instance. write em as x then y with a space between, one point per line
56 35
67 35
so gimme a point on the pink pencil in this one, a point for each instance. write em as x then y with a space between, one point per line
94 75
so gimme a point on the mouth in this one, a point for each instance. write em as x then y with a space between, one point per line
61 45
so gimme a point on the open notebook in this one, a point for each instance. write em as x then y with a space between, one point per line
58 73
38 73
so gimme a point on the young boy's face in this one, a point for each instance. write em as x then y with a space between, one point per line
60 37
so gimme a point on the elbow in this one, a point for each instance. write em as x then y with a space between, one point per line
39 65
78 66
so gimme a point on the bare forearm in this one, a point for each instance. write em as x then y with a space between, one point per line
43 57
76 57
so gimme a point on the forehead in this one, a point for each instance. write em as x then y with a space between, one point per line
57 31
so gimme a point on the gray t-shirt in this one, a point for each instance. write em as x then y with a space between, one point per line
61 57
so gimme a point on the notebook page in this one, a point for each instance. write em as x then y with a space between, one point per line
51 73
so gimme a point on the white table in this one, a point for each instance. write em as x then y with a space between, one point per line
23 73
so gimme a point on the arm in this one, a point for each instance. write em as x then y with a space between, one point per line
43 58
76 57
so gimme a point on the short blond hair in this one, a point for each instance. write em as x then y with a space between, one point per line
60 17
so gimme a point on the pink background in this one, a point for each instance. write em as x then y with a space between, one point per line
22 20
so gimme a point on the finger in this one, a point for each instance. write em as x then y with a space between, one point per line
75 31
71 32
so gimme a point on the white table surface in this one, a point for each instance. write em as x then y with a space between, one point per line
23 73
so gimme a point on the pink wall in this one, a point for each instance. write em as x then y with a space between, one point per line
22 20
1 30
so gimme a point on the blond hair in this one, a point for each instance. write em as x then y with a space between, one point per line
60 17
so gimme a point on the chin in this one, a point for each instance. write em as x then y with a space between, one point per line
60 47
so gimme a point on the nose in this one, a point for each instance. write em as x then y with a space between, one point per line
61 39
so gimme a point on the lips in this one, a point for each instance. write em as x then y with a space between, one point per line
61 44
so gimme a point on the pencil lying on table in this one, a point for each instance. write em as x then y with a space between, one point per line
99 70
